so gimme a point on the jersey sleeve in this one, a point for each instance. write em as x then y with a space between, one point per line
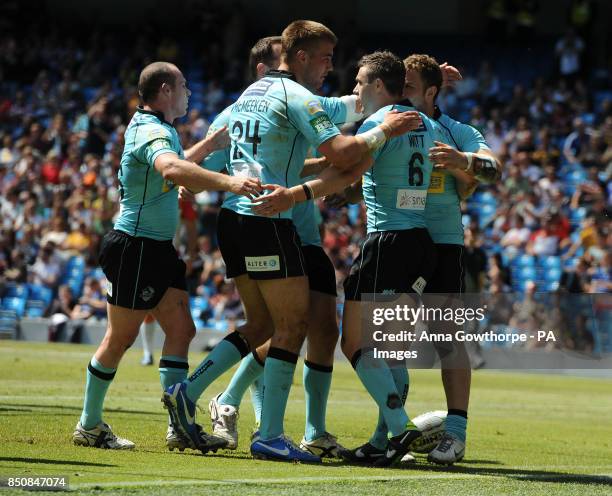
341 110
470 139
217 160
151 141
306 113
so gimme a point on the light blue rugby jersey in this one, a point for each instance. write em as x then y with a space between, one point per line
443 211
148 204
395 187
271 126
305 215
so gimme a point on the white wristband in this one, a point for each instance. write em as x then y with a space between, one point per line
374 138
470 160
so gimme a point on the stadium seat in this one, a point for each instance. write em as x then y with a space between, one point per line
9 324
525 272
76 286
550 262
43 293
16 290
75 262
524 261
14 303
35 308
553 274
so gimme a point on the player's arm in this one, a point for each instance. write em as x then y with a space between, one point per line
217 140
347 151
331 180
314 166
196 179
482 166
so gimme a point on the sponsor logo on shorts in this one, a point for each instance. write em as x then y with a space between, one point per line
419 285
109 288
321 124
147 293
262 264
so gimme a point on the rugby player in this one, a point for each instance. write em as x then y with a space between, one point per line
272 125
398 254
144 273
449 184
322 330
463 159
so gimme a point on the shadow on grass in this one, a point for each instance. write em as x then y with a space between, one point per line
73 408
511 473
47 461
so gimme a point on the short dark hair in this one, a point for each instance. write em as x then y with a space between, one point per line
427 67
263 52
152 77
303 35
387 67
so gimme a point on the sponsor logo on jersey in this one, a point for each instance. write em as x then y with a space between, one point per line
157 133
411 199
314 107
436 184
160 144
262 264
260 88
321 123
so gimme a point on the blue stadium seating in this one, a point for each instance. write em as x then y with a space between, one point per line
14 303
35 308
43 293
16 290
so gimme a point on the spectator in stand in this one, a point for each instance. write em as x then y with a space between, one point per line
60 312
544 241
576 141
601 274
515 240
46 270
569 50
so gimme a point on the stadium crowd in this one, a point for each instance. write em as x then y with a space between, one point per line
63 113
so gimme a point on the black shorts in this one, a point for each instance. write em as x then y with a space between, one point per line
321 273
392 262
261 247
139 270
448 275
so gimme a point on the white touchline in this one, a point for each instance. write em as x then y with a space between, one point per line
367 478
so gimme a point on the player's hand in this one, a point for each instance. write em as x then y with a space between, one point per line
359 106
402 122
245 186
450 75
447 158
218 140
186 195
279 200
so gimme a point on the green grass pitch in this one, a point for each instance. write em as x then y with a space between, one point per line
528 434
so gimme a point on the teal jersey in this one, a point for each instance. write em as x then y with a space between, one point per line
443 211
271 126
306 216
395 187
148 204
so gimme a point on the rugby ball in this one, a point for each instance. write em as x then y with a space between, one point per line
432 425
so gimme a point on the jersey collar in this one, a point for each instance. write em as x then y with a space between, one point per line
280 74
405 103
155 113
